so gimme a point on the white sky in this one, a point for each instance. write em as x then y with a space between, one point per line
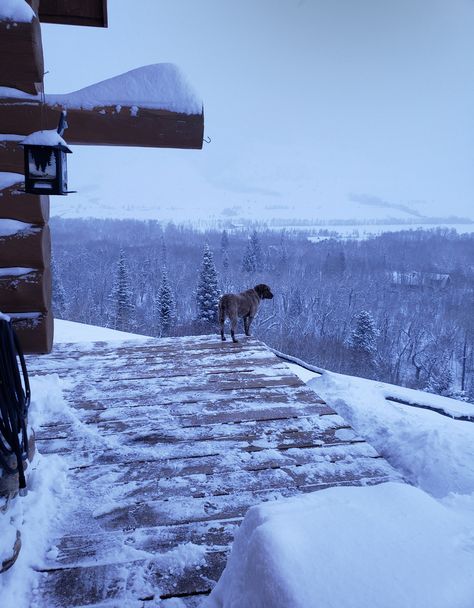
330 108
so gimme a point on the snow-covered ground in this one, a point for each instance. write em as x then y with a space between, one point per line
389 546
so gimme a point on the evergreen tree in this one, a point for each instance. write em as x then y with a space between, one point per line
165 304
59 295
207 294
225 260
123 308
364 335
224 241
256 250
249 261
363 344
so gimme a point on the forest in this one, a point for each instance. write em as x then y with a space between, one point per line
396 307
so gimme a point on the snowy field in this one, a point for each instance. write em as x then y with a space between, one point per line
387 546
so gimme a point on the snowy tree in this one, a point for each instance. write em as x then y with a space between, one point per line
165 304
253 256
364 335
59 295
123 309
249 261
224 241
207 294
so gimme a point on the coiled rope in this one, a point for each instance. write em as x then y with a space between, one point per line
14 403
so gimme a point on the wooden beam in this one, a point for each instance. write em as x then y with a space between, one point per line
21 56
22 292
29 247
74 12
34 330
17 205
106 125
11 157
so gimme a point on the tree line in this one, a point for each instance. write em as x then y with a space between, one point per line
397 307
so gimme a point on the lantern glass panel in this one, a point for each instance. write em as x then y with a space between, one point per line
42 163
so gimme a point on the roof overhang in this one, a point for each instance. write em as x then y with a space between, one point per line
79 12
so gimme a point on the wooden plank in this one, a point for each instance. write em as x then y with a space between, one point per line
106 126
30 247
91 13
21 293
181 460
17 205
11 157
35 334
21 56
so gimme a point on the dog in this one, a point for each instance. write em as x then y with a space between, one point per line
245 304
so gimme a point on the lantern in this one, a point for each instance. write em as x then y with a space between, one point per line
45 161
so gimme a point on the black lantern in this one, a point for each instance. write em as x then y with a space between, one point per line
45 161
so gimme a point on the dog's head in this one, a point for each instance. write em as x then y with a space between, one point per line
263 291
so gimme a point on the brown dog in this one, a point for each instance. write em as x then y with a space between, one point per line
245 304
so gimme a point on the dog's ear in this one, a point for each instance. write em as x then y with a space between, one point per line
260 289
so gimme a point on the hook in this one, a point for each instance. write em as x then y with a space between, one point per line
207 139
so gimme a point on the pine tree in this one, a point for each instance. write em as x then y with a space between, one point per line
224 241
165 304
364 335
59 295
225 250
207 294
123 308
257 250
249 261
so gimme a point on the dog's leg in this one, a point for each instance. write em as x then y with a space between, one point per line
246 325
222 331
233 326
221 316
249 323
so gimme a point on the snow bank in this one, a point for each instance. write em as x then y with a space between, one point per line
34 513
390 545
69 331
433 452
16 10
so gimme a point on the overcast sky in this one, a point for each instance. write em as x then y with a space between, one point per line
334 108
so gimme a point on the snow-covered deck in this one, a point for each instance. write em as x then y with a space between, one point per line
169 444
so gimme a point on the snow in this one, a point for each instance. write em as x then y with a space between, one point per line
69 331
396 545
434 452
34 513
11 227
9 179
15 271
389 545
160 86
16 10
44 138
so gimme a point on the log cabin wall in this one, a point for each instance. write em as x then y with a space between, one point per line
25 242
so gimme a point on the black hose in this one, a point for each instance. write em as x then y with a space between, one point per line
14 403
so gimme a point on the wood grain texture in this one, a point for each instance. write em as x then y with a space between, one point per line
171 442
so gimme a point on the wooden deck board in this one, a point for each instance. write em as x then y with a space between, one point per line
170 442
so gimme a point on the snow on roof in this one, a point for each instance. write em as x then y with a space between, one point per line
44 138
159 86
9 179
16 10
